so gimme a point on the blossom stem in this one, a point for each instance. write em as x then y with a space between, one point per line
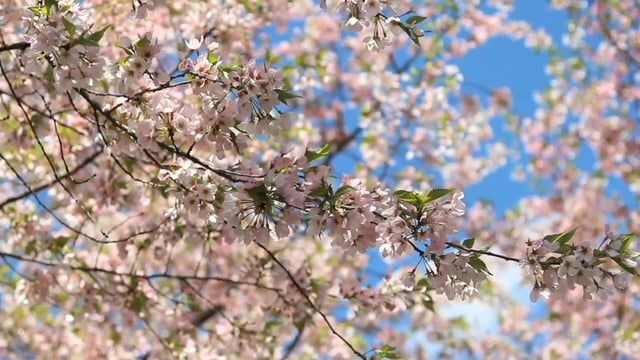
17 46
483 252
308 299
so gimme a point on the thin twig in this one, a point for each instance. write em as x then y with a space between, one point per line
308 299
52 182
17 46
90 269
483 252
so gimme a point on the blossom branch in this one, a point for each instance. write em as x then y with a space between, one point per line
43 205
229 175
87 161
308 299
483 252
160 275
15 46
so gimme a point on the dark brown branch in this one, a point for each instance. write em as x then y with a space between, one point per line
483 252
90 269
42 113
606 32
46 155
291 347
37 198
17 46
52 182
229 175
136 234
343 145
311 303
105 140
206 315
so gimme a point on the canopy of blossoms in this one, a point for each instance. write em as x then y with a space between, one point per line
170 188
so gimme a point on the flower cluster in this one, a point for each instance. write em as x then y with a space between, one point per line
139 60
457 276
348 215
371 16
558 266
62 45
235 103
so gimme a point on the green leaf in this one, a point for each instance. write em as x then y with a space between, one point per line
69 26
41 310
318 154
86 42
139 302
285 95
423 284
146 243
411 32
94 38
552 237
179 230
134 283
416 19
142 43
259 194
174 342
600 253
632 254
124 60
419 200
564 249
342 190
269 58
387 352
230 68
478 264
300 324
39 10
31 248
429 304
634 327
552 261
459 322
220 195
97 36
115 336
560 238
301 60
436 194
410 197
50 3
469 243
626 239
247 5
272 324
627 268
406 195
565 237
322 191
59 243
5 270
213 58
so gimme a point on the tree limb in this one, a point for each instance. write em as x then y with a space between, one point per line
17 46
52 182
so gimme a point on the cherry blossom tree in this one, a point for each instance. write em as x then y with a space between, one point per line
171 188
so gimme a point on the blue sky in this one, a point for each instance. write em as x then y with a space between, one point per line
504 62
